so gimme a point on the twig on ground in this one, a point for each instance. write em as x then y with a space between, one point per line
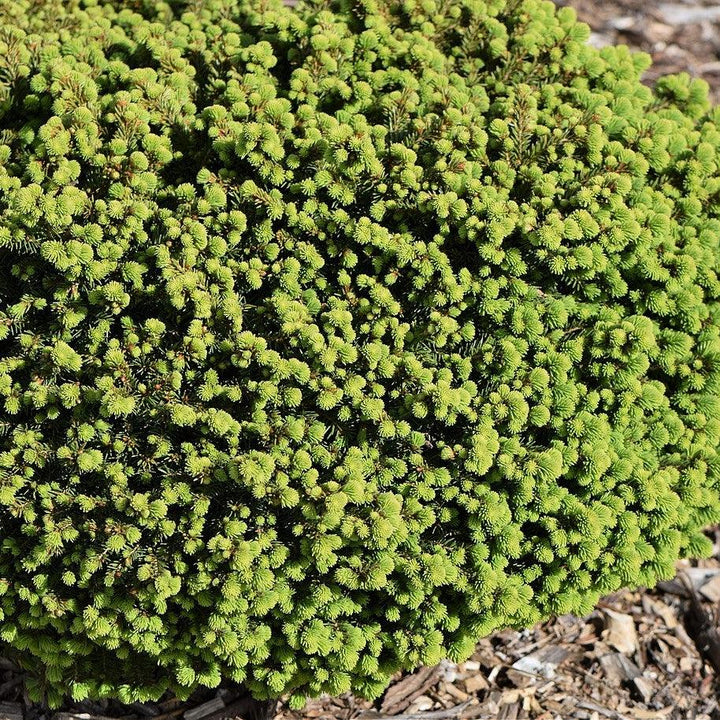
701 626
452 712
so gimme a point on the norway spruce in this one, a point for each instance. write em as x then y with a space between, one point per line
334 338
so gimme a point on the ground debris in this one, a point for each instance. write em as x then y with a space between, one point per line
207 708
402 694
620 632
542 663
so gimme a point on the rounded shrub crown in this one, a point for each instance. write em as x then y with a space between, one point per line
334 338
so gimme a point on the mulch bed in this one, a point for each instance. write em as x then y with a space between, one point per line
641 655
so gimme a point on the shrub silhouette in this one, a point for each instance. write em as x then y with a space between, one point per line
334 338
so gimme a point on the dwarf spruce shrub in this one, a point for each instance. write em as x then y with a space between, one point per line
334 338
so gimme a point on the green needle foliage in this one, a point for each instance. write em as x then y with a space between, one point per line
334 338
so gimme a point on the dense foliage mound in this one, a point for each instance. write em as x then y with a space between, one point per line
334 338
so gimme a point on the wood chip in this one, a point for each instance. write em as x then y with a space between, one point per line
207 708
245 707
711 589
687 664
509 712
644 688
399 696
521 679
618 668
697 577
475 683
600 710
448 671
455 692
620 632
453 712
665 612
146 709
542 663
642 714
420 704
702 629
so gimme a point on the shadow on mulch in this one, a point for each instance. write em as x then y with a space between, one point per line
230 701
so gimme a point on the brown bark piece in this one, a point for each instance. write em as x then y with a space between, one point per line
618 668
702 628
399 696
207 708
620 632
